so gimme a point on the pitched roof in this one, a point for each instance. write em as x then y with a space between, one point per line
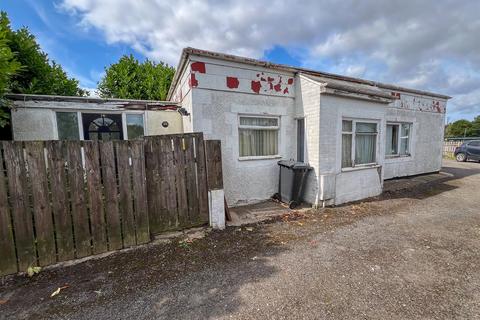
281 67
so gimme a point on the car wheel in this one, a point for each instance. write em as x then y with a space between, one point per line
461 157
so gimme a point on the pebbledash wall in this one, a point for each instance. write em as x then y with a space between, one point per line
216 92
216 95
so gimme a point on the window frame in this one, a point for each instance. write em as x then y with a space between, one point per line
80 112
399 139
57 131
125 127
353 134
256 127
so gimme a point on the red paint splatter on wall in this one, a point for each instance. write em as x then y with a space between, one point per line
198 67
436 106
232 82
256 85
290 81
278 87
285 91
395 94
192 82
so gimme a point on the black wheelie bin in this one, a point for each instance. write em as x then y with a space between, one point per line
291 184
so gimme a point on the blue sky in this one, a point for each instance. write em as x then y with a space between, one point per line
401 42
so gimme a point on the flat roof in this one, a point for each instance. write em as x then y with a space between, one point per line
98 100
282 67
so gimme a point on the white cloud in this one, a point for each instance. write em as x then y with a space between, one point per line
424 44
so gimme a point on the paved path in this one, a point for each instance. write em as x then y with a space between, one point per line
406 255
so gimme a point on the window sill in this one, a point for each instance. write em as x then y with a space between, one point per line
259 158
398 158
372 166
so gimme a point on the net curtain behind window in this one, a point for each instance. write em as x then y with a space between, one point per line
365 142
255 140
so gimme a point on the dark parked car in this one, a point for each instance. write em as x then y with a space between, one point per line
468 151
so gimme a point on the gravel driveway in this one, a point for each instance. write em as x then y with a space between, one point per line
409 254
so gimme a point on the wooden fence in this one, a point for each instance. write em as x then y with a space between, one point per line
176 181
61 200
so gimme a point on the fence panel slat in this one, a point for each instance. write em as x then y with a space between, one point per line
8 262
42 212
125 193
152 155
22 219
107 157
95 197
81 228
214 164
57 157
180 183
139 192
202 176
191 178
168 188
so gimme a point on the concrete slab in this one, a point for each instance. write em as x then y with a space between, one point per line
410 182
259 212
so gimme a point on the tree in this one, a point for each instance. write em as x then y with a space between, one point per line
9 66
131 79
25 68
39 75
460 128
476 126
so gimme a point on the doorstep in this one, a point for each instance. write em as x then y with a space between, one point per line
261 211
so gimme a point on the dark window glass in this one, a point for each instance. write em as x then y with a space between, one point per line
134 126
67 125
102 126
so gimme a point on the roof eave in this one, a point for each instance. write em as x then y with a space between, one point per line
265 64
40 97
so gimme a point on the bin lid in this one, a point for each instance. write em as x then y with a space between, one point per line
294 164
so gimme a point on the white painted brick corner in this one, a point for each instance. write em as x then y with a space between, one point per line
216 208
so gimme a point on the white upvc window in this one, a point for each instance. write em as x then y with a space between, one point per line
258 136
398 139
359 143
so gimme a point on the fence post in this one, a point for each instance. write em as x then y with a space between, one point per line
216 195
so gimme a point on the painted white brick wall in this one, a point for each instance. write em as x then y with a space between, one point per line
308 105
426 143
216 114
351 185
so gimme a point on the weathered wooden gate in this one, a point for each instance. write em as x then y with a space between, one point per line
177 188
